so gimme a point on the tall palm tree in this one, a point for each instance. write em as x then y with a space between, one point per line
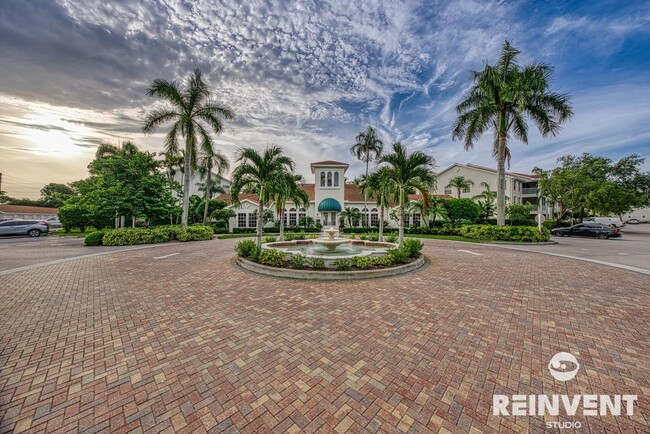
368 147
459 183
192 114
503 96
381 188
209 161
287 188
259 172
409 172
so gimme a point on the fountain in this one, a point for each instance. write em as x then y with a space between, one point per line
331 242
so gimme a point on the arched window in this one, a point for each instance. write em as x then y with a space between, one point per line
336 179
329 179
322 179
374 217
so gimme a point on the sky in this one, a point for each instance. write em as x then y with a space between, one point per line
309 76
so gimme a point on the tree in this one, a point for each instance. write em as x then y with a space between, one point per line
193 114
286 188
352 215
123 182
462 209
409 172
222 218
459 183
259 173
502 97
368 147
212 159
518 214
53 194
381 188
486 201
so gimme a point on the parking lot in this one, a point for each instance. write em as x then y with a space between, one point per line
632 249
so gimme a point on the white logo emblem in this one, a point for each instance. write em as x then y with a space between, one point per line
557 366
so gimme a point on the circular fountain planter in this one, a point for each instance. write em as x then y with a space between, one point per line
292 273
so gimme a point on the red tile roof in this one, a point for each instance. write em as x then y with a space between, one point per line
246 196
329 163
23 209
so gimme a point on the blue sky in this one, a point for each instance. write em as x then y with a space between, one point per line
309 75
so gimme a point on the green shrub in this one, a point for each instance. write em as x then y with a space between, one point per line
270 239
365 230
462 209
170 232
246 248
364 262
316 263
392 238
399 255
288 237
299 236
549 224
130 236
195 233
505 233
94 238
413 246
243 230
272 258
298 261
343 264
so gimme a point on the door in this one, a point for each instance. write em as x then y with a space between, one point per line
577 231
5 228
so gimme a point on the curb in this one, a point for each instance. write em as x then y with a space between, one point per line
330 275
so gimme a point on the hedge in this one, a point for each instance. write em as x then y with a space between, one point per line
160 234
505 233
94 238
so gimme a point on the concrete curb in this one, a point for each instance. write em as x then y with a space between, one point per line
330 275
522 243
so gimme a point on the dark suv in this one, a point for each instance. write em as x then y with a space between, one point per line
33 228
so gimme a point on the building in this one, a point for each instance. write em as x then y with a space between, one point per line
521 188
328 196
641 214
22 212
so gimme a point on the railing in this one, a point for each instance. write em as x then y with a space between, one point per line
529 190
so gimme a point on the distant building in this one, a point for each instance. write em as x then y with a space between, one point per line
641 214
23 212
521 188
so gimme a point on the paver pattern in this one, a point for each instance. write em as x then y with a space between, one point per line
191 343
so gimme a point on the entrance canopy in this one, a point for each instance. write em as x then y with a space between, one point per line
329 204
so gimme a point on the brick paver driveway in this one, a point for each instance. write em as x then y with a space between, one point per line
191 343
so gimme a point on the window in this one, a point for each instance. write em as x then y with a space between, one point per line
465 189
241 220
252 220
447 190
322 179
329 179
374 217
336 179
292 217
416 219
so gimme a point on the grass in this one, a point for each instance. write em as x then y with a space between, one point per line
72 233
445 237
228 236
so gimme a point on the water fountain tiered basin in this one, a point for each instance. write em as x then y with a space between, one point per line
331 247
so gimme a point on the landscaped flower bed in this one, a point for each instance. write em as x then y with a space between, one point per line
408 252
160 234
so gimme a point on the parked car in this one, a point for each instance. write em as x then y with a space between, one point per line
615 222
632 222
596 230
33 228
54 223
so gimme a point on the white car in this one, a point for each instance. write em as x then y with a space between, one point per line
614 222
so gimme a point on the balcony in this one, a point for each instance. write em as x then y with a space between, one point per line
530 191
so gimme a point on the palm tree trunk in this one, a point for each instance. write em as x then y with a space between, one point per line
365 196
401 217
458 192
186 183
208 194
501 181
260 215
381 223
281 213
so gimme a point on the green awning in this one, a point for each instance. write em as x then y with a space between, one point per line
329 204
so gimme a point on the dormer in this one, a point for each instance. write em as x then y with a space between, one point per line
329 174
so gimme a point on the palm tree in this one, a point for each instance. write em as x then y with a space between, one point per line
209 161
367 148
352 215
503 96
486 201
192 114
380 187
459 183
287 188
409 172
437 208
259 173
